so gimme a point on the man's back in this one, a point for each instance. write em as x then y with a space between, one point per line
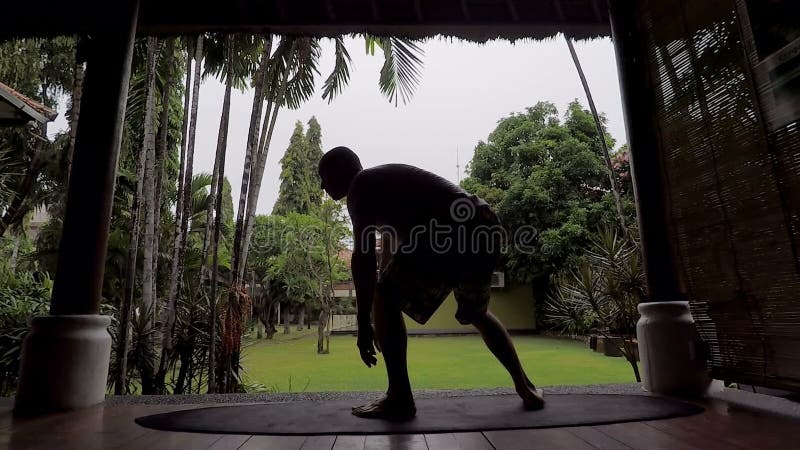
431 220
402 197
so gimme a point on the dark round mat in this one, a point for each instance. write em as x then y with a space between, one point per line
442 415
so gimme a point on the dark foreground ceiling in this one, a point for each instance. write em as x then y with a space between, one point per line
477 20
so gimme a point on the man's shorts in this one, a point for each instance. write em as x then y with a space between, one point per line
420 296
417 285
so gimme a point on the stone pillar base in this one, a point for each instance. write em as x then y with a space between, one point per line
64 364
668 347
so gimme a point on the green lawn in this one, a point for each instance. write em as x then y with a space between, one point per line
290 363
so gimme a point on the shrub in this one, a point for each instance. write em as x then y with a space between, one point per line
22 297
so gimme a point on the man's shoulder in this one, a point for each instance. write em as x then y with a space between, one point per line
403 174
394 169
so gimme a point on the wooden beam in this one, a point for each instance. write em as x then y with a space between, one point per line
418 11
376 15
465 11
512 10
330 10
84 239
559 12
660 261
596 9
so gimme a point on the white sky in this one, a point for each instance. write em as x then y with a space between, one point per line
464 90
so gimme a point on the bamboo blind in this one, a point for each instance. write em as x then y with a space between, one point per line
730 152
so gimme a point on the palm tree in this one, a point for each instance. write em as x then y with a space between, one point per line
149 201
184 198
231 57
161 150
184 201
235 57
289 74
298 57
120 376
259 80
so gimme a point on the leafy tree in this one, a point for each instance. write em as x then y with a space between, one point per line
22 296
314 155
300 189
541 172
333 233
307 264
293 195
41 69
598 122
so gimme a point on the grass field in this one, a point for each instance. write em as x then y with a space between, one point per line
290 363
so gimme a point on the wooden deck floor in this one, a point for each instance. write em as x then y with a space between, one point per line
721 426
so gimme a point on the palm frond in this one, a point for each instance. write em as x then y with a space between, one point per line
303 71
340 75
401 69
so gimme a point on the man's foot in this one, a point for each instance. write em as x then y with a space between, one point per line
386 409
532 398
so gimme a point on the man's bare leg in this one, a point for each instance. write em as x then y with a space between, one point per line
499 342
392 340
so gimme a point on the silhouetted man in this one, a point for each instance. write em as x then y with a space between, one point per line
436 238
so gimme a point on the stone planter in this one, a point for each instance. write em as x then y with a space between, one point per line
668 341
609 346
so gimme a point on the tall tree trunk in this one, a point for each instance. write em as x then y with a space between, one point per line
183 207
148 296
237 263
75 107
212 204
260 160
328 293
161 151
601 136
324 317
172 293
12 263
160 155
301 317
268 320
120 377
287 327
222 143
183 371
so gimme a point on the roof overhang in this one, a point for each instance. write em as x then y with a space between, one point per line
17 109
476 20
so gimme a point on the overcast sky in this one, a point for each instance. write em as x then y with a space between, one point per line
465 89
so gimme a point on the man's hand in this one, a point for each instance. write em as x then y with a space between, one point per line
366 346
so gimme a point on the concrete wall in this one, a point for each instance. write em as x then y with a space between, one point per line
513 305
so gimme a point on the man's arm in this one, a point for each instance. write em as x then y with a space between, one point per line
364 267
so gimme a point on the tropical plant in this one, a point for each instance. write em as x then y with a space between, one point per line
601 293
22 297
290 75
41 69
183 208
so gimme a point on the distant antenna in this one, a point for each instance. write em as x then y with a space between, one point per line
458 167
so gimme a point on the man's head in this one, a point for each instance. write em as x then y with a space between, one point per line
337 168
